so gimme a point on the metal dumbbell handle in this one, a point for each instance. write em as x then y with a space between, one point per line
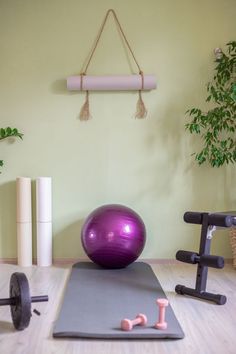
12 301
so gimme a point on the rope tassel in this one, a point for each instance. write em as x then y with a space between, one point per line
141 111
84 112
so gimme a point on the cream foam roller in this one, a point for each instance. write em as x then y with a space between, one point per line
24 244
44 199
23 199
111 83
44 220
44 244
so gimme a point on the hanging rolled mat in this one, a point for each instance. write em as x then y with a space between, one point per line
84 82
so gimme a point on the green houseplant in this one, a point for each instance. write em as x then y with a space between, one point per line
217 126
7 133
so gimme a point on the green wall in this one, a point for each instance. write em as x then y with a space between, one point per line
113 158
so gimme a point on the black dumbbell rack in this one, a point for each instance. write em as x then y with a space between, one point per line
204 259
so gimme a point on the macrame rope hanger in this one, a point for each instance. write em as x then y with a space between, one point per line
141 110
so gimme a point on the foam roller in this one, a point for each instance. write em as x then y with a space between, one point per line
193 217
187 256
212 261
220 220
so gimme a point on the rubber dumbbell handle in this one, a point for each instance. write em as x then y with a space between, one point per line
162 314
136 321
12 301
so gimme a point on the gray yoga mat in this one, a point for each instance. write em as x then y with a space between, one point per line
97 299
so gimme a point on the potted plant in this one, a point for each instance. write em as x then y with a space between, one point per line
217 126
7 133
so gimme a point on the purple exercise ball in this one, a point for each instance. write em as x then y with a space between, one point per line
113 236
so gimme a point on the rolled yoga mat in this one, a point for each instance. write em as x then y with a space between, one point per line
111 83
97 299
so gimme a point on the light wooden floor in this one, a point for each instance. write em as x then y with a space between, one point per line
208 328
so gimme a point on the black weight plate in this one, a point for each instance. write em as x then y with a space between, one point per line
20 301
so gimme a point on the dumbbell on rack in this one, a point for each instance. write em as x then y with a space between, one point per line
20 301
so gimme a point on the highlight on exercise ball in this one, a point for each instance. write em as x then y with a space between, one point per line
113 236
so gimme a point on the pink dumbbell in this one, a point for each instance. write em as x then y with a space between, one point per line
162 304
127 325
